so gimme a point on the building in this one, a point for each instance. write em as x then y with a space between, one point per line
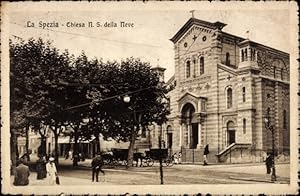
224 87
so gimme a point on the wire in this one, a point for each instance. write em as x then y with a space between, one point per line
108 98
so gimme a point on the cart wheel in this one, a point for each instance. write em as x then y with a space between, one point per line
115 163
124 162
150 162
170 162
145 163
166 162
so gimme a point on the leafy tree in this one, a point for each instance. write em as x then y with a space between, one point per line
36 71
147 104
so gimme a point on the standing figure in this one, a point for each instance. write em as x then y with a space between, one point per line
269 163
70 154
97 163
22 174
51 171
175 158
179 157
205 153
41 168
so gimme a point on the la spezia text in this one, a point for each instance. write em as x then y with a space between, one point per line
111 24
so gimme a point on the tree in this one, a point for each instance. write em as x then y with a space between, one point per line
37 70
147 104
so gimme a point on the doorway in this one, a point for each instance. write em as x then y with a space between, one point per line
170 140
231 136
230 133
194 135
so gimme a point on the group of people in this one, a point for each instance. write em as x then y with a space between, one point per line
44 169
177 158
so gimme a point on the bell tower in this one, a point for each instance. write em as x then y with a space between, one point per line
160 72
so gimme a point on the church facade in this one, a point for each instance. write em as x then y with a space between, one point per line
224 87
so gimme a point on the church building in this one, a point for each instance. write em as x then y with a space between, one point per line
224 89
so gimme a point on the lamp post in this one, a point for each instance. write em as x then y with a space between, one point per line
271 128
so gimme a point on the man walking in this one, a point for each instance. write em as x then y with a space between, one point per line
269 162
22 174
97 163
205 153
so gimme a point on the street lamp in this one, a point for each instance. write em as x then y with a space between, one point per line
271 128
126 99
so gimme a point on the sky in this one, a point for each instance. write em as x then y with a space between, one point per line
154 25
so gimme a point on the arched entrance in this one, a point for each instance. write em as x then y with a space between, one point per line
191 125
230 133
169 137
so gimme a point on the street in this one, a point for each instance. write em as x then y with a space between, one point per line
177 174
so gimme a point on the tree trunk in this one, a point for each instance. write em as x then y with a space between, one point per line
98 149
75 148
131 147
27 143
13 151
56 147
42 151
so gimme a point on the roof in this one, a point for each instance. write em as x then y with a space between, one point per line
195 21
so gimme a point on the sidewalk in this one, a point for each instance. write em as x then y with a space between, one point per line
63 181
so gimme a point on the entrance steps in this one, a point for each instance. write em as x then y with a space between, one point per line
236 153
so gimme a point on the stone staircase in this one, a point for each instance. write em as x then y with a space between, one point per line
236 153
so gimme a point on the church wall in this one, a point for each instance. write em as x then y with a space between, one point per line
259 114
255 77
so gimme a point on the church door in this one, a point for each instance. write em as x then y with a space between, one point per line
231 136
230 133
194 134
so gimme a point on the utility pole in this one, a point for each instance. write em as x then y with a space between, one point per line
160 157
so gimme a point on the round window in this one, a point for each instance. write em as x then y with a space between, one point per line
185 44
204 38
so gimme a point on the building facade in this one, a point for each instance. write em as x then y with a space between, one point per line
224 88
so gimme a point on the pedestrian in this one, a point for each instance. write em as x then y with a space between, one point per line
175 158
269 162
51 171
70 154
179 157
205 153
97 163
41 168
21 174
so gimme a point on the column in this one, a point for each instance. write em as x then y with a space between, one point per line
189 134
180 135
199 135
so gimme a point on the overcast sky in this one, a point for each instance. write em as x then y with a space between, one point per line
154 25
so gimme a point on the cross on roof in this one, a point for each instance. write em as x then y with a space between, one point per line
192 11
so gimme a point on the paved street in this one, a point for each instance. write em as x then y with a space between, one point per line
178 174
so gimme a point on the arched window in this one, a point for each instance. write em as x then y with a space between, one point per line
244 94
201 65
246 54
227 59
243 56
284 119
188 69
252 54
244 125
281 74
229 98
274 71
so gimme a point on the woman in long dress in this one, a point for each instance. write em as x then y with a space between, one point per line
51 171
